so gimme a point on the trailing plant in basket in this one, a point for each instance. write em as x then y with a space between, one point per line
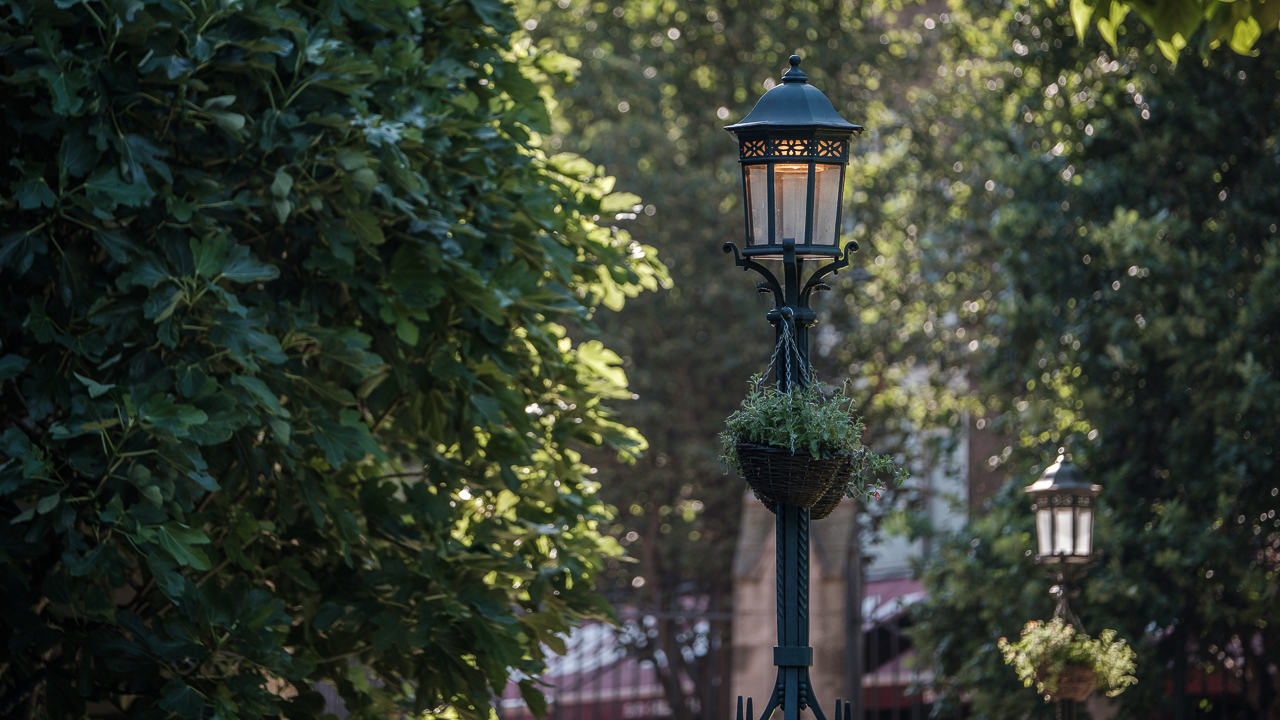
1047 648
806 420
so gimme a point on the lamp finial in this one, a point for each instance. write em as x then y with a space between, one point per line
794 75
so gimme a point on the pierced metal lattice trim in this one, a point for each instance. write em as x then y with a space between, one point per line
831 148
791 148
835 149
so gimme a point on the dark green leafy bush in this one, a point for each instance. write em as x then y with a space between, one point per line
285 385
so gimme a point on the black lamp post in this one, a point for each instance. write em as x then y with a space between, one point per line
1063 501
793 148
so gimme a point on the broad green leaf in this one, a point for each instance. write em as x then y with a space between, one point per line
119 247
232 123
243 267
365 179
246 339
78 155
178 541
261 393
618 202
281 209
11 366
33 193
467 101
602 361
209 255
282 184
1081 11
147 271
1108 26
339 443
166 575
140 151
162 303
177 697
1246 33
366 226
489 409
105 185
172 417
95 389
219 102
65 86
533 698
497 15
350 160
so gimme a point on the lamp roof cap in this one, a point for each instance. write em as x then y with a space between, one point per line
794 103
1063 476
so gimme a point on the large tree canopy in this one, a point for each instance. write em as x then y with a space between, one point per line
288 377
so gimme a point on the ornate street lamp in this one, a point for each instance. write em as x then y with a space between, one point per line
1063 502
793 147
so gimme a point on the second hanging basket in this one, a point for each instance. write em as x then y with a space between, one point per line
781 476
1075 683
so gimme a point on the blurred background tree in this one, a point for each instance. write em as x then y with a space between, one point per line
1128 212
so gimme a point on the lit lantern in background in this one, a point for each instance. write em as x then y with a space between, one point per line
1063 502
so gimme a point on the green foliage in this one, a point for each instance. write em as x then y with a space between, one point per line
289 385
1238 23
1046 648
1130 319
809 421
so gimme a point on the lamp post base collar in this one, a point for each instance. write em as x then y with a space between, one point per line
793 656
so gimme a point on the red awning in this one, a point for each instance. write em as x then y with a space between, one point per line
884 600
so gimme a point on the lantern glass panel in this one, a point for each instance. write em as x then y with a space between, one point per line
1084 532
758 203
1044 532
1063 524
790 201
826 203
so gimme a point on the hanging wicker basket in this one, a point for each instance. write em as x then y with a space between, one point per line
1075 682
830 499
828 503
780 476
